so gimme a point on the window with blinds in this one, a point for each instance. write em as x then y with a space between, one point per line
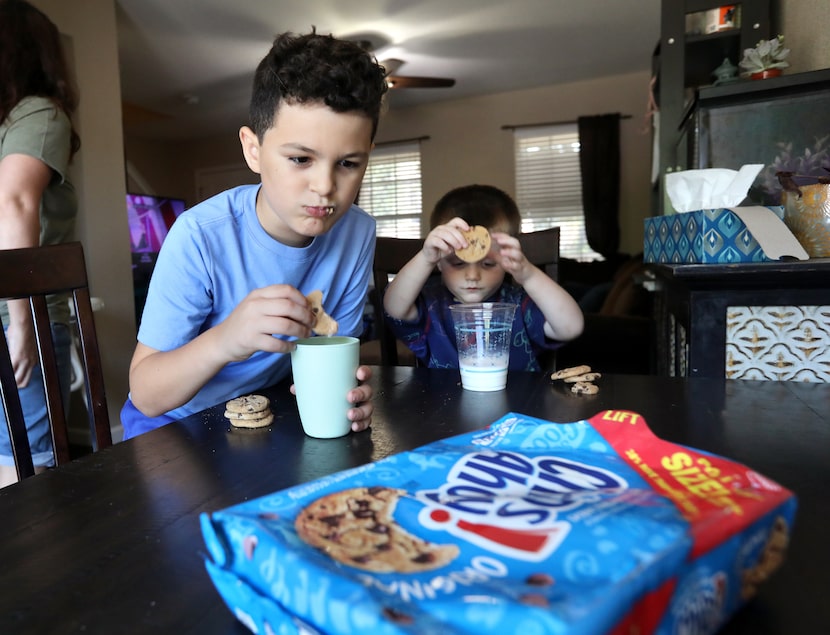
549 186
391 190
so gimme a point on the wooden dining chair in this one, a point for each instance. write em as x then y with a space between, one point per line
542 249
391 254
34 273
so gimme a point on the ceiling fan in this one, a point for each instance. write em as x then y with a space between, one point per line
392 64
373 41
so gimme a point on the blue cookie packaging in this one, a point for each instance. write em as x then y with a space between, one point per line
527 526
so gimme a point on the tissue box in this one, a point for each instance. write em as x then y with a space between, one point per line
703 236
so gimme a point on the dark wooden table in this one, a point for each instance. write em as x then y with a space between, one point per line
111 542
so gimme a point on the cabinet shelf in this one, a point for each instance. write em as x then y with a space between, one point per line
684 63
708 37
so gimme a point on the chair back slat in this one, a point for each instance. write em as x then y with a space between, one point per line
49 365
15 424
34 273
94 385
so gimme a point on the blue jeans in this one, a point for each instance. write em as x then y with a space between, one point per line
33 402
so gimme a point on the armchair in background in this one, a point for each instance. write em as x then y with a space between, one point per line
620 329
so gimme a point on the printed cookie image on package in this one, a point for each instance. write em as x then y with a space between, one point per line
527 526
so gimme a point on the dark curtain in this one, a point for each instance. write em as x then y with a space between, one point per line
599 160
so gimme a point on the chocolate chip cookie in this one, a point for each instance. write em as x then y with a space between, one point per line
355 527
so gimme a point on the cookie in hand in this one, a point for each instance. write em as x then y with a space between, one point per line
478 244
325 324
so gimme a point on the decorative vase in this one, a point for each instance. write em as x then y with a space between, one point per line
808 217
766 73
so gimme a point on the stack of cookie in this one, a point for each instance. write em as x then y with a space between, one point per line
581 379
249 411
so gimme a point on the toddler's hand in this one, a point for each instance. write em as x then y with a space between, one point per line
443 240
511 258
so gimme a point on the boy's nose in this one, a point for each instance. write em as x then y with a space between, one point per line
473 272
322 182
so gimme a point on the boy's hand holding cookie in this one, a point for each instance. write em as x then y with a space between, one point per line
470 244
274 310
324 324
444 239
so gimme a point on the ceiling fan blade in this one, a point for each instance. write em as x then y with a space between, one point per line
408 81
391 65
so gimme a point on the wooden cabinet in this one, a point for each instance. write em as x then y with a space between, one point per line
684 62
760 321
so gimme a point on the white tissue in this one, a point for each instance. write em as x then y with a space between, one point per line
711 188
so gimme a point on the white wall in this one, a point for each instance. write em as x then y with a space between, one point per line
805 25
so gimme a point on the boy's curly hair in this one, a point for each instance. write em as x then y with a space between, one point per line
483 205
304 69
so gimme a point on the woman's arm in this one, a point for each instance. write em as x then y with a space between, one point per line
23 180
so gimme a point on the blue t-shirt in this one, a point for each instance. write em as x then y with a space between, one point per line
432 335
217 253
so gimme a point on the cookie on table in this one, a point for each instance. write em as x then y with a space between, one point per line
247 404
355 527
478 244
573 371
249 411
325 324
580 378
251 422
584 377
584 388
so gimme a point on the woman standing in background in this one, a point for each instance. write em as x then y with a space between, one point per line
38 205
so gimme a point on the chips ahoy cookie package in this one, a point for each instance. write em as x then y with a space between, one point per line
527 526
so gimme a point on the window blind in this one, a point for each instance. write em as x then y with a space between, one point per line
391 190
549 185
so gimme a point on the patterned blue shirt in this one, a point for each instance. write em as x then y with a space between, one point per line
432 335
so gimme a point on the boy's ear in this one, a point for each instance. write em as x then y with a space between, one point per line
250 148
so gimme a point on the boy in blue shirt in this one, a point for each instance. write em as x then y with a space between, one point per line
417 309
227 296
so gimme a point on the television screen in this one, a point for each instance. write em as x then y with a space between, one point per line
150 218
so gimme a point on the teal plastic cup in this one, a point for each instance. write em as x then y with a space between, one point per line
325 370
482 334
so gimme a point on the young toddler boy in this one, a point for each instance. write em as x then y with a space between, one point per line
417 310
227 295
